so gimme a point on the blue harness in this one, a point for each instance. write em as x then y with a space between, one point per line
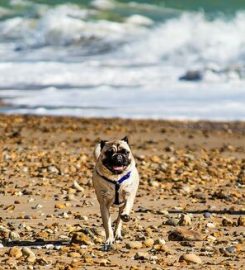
117 185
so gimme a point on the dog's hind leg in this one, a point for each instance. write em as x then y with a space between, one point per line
106 218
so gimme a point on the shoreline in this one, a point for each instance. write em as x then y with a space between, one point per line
110 118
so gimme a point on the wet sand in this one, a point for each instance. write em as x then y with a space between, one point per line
192 180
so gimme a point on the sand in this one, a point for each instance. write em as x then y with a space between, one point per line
191 197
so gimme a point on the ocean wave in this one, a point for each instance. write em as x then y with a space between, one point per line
73 62
192 39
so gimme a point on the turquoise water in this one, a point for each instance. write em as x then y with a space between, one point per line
125 7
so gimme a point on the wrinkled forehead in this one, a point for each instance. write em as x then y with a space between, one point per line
117 145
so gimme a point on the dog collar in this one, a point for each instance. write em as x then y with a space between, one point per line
117 185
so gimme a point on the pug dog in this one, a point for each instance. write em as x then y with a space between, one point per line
115 180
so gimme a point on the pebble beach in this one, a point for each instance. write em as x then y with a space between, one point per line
189 212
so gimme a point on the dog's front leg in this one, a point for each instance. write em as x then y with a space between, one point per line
128 207
118 227
106 218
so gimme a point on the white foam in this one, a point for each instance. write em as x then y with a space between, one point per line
103 4
193 40
136 77
139 20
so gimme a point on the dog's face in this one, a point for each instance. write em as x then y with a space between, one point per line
116 155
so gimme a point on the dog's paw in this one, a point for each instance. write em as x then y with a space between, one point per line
106 247
125 218
118 237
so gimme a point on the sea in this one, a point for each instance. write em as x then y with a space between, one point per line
151 59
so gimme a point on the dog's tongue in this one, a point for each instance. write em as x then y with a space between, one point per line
118 168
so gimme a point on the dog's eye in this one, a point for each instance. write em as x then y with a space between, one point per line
124 151
110 152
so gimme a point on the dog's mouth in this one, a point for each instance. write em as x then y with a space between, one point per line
118 169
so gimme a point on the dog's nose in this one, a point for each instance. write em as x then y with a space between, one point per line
119 159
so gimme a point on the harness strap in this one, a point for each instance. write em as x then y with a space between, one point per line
117 185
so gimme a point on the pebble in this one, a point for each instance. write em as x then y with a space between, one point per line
185 220
60 206
171 222
182 234
14 235
210 225
31 257
141 256
77 186
191 258
156 159
49 246
74 255
228 251
211 238
241 221
160 241
134 245
207 215
15 252
164 248
37 206
149 242
227 222
104 262
81 238
3 229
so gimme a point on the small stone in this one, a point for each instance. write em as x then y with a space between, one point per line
134 245
228 251
74 255
149 242
191 258
77 186
14 235
104 262
60 206
141 256
31 257
156 159
81 238
241 221
227 222
164 248
185 220
37 206
171 222
211 238
160 241
182 234
231 249
49 246
163 212
53 169
207 215
15 252
3 229
210 225
65 215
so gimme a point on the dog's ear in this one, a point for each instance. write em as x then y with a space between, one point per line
125 139
102 144
98 149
